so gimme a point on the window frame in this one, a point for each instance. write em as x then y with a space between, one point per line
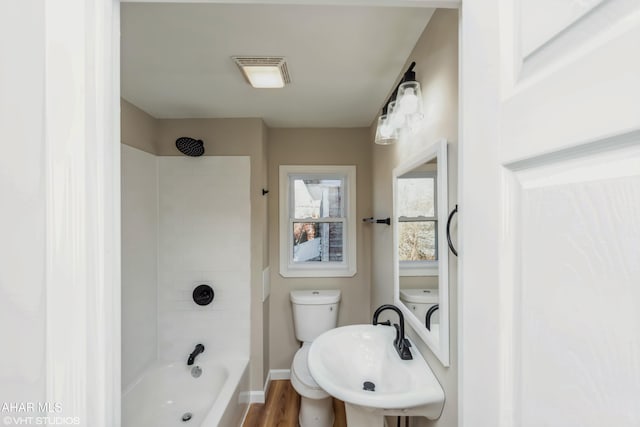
422 268
348 266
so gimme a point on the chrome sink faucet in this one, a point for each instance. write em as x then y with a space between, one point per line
400 343
196 351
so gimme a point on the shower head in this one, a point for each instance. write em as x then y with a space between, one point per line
190 147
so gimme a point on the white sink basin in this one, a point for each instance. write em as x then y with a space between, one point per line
343 359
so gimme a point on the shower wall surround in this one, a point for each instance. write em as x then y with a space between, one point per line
204 235
139 261
184 221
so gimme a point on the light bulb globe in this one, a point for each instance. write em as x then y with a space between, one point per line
385 133
410 97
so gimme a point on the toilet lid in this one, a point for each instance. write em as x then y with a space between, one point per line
419 296
301 368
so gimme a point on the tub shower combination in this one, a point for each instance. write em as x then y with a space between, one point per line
169 395
185 279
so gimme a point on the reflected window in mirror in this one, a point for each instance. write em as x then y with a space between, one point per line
418 222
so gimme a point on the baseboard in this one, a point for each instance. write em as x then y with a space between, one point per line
244 397
280 374
260 396
256 397
244 417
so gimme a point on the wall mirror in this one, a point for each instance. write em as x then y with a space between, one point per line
421 285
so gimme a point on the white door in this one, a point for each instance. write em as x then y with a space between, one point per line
550 213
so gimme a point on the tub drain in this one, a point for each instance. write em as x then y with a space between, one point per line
186 417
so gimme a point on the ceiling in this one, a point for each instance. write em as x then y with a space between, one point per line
343 60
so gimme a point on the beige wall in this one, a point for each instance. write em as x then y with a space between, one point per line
137 128
318 147
436 56
418 282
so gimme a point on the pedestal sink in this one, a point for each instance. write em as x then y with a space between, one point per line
359 365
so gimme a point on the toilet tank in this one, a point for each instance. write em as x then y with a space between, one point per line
419 301
314 312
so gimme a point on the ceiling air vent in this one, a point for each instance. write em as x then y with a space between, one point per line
264 71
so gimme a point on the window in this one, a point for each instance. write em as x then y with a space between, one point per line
417 224
317 217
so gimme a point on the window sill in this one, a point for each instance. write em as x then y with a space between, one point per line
315 271
413 269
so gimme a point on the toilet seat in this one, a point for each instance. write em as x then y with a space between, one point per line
301 378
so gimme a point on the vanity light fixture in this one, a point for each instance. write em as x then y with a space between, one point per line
409 97
264 72
385 133
403 110
397 118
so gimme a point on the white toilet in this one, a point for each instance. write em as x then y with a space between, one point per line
314 312
420 301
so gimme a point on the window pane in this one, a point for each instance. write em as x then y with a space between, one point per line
317 198
417 241
317 241
416 197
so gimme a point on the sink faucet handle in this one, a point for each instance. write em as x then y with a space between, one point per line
386 323
405 352
402 345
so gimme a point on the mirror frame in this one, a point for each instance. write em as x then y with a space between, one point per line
439 347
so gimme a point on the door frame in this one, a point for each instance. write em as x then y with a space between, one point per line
82 187
83 200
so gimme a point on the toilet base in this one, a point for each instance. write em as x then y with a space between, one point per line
316 412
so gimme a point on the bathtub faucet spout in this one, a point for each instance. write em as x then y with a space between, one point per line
196 351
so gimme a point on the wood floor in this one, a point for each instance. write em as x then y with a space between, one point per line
281 408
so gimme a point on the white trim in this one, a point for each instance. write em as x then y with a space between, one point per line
257 397
439 347
260 396
82 114
346 268
441 4
418 268
462 66
267 385
280 374
246 412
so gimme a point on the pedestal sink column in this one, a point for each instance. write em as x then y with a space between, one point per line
357 416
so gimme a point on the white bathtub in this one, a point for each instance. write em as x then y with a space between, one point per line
164 393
